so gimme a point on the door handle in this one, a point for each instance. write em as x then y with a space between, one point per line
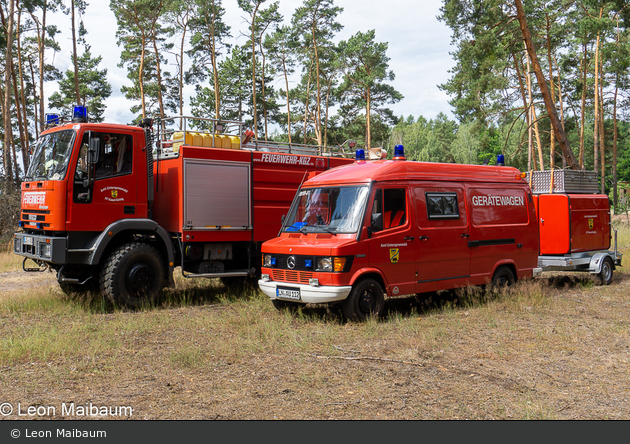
423 238
409 238
465 235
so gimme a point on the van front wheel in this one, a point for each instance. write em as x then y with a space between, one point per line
364 301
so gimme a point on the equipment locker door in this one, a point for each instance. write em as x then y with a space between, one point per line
392 249
442 248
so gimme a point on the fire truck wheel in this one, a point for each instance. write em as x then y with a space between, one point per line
133 275
606 275
364 301
503 277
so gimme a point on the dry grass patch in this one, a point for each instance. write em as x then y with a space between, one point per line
550 348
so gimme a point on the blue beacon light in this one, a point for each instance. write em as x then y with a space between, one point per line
399 152
79 114
360 154
52 119
500 160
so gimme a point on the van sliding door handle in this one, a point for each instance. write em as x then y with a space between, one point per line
409 238
465 235
423 238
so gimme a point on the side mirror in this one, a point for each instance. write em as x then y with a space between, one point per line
377 222
93 150
282 219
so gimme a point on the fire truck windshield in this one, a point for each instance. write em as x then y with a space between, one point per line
331 210
52 155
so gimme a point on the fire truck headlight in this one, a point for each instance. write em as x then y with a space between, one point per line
325 264
45 250
17 245
269 261
265 277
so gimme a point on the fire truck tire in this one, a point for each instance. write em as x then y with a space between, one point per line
605 276
364 301
503 277
132 275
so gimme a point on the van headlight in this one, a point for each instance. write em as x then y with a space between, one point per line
269 261
335 264
324 263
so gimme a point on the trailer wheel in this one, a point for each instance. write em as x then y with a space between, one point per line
503 277
605 276
364 301
132 275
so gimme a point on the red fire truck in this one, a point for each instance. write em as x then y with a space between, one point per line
116 208
391 228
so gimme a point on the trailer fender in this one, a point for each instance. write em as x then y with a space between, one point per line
595 266
136 226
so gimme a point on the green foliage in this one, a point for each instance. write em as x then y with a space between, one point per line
93 87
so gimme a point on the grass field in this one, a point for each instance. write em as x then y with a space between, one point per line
556 347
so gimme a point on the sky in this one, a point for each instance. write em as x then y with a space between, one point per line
419 47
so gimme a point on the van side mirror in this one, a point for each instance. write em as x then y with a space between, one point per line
93 150
377 222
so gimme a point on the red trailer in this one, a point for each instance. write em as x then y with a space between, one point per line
574 223
113 207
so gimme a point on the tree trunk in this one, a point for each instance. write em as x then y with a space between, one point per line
614 160
6 108
286 82
551 110
74 58
552 141
368 128
318 98
596 117
602 134
24 119
583 107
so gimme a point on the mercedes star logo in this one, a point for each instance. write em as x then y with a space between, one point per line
291 262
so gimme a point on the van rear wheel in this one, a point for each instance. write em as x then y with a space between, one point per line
364 301
503 277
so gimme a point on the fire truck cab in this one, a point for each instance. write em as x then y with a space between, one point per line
389 228
116 208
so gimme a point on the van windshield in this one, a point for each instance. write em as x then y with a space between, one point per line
329 210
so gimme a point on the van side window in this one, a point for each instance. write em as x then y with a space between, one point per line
442 206
394 207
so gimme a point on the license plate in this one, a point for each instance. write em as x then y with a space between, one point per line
288 293
28 240
32 217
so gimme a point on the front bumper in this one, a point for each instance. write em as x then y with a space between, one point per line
308 293
41 248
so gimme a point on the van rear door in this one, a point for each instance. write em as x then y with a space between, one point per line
443 252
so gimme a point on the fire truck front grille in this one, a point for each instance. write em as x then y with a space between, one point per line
298 277
32 217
